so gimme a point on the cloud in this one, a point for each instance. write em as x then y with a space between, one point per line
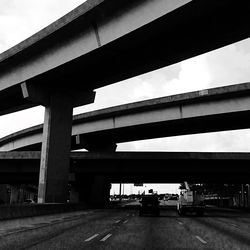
193 75
225 141
12 31
145 91
20 120
230 65
21 19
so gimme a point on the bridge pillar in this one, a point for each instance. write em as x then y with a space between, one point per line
74 194
56 143
100 191
94 190
91 190
4 194
14 194
80 190
54 166
248 195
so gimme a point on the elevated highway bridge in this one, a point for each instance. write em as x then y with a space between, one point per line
105 41
102 42
134 167
209 110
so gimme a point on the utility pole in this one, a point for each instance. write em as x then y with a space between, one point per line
120 192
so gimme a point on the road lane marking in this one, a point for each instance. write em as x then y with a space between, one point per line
92 237
117 221
200 239
181 223
106 237
125 221
233 225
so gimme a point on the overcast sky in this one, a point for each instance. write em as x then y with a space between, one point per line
228 65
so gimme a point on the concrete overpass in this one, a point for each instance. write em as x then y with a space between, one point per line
223 108
99 43
135 167
91 173
105 41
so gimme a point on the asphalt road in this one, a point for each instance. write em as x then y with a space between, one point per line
124 229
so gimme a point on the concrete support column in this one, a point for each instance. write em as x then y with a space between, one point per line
14 194
81 190
95 190
54 166
4 195
56 144
242 196
248 195
100 191
74 195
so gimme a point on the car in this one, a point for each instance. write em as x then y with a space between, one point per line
173 198
149 205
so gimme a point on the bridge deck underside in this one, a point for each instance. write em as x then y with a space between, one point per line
145 167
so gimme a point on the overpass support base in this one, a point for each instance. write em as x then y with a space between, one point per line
15 194
100 191
74 195
94 191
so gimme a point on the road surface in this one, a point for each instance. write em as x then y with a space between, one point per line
123 228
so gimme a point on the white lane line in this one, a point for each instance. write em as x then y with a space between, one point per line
125 221
181 223
233 225
92 237
106 237
200 239
117 221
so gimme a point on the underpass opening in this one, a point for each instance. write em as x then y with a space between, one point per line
134 191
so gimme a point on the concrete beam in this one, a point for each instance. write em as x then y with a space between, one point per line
94 146
35 94
42 95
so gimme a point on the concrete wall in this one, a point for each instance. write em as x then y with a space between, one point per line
20 211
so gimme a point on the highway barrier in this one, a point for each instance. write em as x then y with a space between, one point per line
29 210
